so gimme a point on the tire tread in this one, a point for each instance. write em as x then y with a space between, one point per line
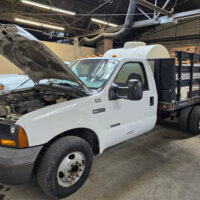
194 120
50 156
184 118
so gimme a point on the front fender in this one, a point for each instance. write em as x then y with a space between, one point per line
45 124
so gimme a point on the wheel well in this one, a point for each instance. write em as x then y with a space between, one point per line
88 135
84 133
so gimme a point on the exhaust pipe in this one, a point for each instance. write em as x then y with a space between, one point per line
124 31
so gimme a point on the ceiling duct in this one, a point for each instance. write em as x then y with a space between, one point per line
124 31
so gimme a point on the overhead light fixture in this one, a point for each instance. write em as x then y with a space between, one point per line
103 22
32 3
49 26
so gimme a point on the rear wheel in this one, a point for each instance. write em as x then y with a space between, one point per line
194 120
65 167
184 118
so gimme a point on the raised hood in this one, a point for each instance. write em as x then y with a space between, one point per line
32 57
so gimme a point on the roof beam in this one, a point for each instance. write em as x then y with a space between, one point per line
156 3
145 14
164 6
153 7
186 14
149 22
177 16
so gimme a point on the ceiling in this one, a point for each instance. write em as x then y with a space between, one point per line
109 10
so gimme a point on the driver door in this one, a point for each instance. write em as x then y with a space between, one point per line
129 118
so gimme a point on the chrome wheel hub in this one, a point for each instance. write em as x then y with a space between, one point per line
71 169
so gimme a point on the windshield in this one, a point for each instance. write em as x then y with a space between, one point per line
94 72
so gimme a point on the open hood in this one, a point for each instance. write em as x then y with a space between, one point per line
32 57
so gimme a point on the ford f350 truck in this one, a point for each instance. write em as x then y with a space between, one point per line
55 129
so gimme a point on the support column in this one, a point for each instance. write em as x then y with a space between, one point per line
108 44
76 45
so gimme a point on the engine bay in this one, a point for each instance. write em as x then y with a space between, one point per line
14 105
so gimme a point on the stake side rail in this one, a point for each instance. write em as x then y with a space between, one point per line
178 86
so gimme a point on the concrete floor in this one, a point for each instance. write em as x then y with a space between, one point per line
163 164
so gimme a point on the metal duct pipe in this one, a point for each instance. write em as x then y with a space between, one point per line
124 31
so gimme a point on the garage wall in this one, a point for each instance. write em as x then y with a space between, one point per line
6 67
185 33
64 51
69 52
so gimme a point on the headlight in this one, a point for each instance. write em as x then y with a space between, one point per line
15 137
1 87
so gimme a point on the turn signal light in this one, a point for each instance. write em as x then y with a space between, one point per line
1 87
100 55
9 143
164 106
87 56
114 56
22 138
93 56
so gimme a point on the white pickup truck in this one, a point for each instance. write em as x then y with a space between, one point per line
9 82
55 129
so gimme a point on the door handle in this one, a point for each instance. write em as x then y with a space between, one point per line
151 101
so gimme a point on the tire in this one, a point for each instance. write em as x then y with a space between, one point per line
184 118
56 176
194 120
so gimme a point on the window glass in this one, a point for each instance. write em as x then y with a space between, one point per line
131 71
94 72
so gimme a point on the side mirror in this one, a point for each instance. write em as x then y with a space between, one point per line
113 92
135 90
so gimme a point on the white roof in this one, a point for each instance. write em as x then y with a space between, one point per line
139 50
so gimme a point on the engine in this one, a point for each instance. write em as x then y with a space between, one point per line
14 105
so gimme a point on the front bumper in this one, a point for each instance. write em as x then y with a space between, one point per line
16 165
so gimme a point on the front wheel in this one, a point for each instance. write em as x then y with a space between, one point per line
65 167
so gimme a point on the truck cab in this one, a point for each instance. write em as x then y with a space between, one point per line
112 87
